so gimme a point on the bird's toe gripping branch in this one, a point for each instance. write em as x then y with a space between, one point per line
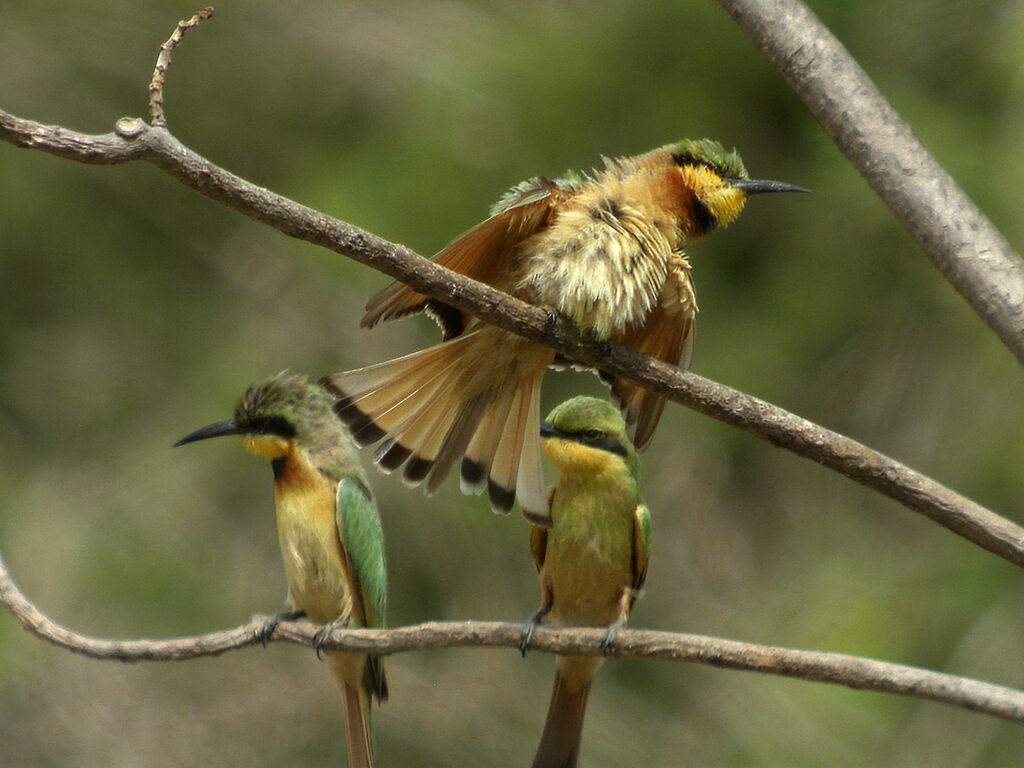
609 638
322 635
531 624
267 630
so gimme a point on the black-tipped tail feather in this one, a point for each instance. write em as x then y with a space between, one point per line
457 400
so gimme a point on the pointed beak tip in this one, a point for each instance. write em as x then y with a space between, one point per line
219 429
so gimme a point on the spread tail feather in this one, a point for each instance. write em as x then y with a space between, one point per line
560 741
475 397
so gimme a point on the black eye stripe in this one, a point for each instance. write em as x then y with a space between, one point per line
682 159
607 443
705 220
270 425
592 438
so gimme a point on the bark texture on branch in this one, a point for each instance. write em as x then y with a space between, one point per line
952 231
134 139
822 667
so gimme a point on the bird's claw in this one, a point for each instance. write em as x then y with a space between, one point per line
609 638
319 640
323 634
531 624
264 633
526 637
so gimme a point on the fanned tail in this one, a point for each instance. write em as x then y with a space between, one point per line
504 454
475 397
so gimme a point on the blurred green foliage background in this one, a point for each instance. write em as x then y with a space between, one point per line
134 310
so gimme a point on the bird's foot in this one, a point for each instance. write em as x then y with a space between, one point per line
609 638
267 629
531 624
526 637
322 635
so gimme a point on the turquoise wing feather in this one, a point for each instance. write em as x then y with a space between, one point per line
363 540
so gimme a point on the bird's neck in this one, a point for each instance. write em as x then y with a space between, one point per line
294 472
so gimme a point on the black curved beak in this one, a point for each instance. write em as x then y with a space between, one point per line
220 429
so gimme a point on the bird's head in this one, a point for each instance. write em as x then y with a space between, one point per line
587 435
272 415
718 182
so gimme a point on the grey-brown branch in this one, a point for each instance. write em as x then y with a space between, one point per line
954 234
135 140
834 668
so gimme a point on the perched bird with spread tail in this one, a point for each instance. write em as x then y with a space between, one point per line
603 250
328 527
592 560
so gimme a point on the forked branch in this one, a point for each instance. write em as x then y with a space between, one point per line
134 139
955 237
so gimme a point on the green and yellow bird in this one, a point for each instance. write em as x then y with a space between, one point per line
603 250
592 561
328 526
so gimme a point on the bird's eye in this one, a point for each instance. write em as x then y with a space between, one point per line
272 425
593 435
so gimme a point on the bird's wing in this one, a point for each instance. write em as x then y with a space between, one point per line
641 545
482 253
363 541
667 335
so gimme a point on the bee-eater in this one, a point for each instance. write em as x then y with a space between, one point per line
592 561
328 527
604 251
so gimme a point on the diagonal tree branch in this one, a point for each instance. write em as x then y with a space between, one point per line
135 140
953 233
822 667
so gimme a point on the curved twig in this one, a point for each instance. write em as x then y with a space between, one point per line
136 140
948 226
833 668
163 61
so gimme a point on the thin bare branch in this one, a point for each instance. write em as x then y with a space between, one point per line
953 233
136 140
163 61
833 668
